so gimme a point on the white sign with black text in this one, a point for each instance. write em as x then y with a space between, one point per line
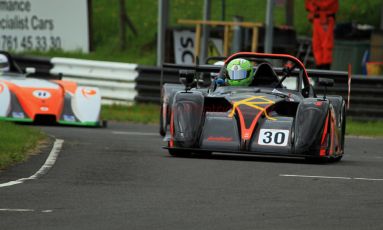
44 25
184 46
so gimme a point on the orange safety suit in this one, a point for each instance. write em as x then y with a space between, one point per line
322 15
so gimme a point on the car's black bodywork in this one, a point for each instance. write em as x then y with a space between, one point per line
265 118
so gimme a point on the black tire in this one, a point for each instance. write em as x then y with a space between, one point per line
162 128
203 154
343 127
335 159
179 153
315 160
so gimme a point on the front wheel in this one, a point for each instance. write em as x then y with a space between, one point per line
162 123
335 159
203 154
179 153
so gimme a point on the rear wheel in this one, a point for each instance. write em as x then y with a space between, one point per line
343 116
315 160
335 159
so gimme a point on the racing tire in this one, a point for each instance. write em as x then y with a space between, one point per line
343 129
162 129
179 153
335 159
104 124
203 154
315 160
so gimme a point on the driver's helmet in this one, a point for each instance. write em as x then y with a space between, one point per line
240 72
4 63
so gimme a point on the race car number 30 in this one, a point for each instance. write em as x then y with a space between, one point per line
276 137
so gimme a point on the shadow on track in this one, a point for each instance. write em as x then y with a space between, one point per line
257 158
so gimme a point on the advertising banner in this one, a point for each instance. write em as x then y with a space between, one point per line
44 25
184 47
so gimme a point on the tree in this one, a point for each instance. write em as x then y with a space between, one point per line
125 21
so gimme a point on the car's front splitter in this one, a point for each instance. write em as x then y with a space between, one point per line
244 152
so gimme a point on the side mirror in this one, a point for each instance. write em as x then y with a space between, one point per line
326 82
187 78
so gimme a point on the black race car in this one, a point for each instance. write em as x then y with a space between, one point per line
278 114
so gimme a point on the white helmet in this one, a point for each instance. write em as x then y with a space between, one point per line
4 63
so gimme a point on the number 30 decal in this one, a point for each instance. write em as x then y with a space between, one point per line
277 137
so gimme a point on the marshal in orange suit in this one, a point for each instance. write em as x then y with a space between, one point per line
322 15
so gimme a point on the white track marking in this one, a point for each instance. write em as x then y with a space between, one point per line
16 210
23 210
135 133
50 161
332 177
371 179
47 211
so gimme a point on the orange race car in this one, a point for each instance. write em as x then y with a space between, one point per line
27 99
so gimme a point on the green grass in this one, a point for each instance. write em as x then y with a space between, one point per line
17 142
138 113
141 49
359 128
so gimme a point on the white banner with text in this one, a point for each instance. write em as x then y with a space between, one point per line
44 25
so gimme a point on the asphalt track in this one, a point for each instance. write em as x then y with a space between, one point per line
120 178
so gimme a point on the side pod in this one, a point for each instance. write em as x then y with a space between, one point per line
86 104
309 123
220 132
5 100
187 112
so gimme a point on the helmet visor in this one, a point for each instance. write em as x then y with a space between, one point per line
238 74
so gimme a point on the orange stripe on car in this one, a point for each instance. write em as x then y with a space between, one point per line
171 142
246 133
322 151
88 92
69 86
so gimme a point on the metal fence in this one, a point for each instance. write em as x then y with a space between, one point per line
117 81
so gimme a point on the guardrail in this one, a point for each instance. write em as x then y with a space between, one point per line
126 83
149 82
117 81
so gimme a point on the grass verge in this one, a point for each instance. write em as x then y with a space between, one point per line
17 143
137 113
360 128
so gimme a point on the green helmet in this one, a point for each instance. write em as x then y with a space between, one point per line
240 72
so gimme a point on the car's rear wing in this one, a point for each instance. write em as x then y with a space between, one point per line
336 75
